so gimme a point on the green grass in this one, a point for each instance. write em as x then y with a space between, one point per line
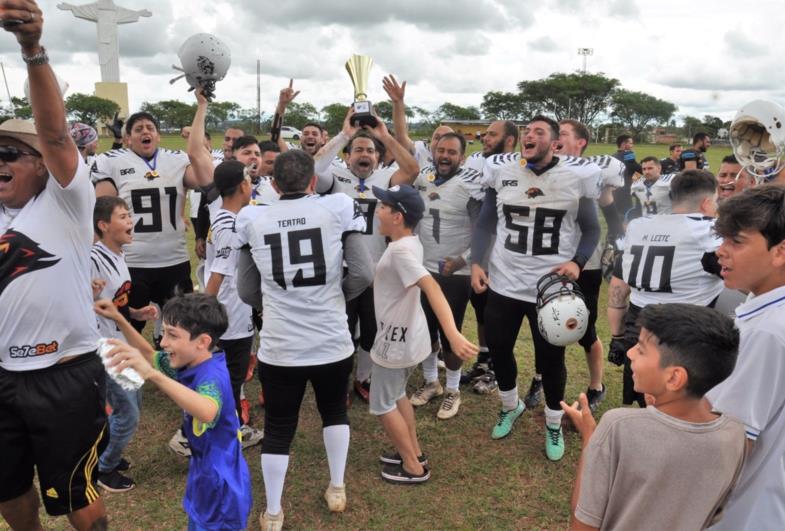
477 483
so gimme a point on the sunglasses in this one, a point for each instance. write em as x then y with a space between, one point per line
13 153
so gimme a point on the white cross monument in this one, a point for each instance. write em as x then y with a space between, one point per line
107 16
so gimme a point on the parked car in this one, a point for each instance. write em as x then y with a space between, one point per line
290 133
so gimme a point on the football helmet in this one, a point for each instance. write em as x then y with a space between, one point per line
204 60
757 135
562 315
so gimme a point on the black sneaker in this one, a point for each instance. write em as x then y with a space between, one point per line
114 481
394 458
123 466
478 370
397 474
534 396
595 397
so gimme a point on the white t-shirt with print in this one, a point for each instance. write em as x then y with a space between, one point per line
402 338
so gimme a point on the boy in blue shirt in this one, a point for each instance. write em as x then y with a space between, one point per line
218 489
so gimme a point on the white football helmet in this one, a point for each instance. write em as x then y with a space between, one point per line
204 59
757 135
562 315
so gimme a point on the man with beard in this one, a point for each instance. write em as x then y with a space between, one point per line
543 209
670 164
311 139
501 136
621 196
423 153
695 158
452 196
652 193
573 139
361 172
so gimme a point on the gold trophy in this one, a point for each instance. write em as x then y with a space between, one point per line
359 66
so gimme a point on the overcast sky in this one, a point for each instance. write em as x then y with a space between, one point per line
707 57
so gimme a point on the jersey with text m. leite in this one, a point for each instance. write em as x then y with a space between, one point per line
446 227
537 227
663 260
110 267
361 190
221 257
654 198
46 302
155 194
297 245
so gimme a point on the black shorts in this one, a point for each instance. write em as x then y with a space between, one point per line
456 289
590 282
158 284
631 333
53 420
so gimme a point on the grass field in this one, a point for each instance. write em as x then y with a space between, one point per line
477 483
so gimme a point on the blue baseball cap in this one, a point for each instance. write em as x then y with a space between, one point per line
405 198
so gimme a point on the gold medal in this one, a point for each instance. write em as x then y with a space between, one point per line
361 195
523 163
431 177
150 175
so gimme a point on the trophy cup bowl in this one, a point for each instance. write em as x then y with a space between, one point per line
359 67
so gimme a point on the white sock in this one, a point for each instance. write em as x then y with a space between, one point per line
364 365
274 473
553 417
336 444
538 377
453 379
509 398
483 349
430 371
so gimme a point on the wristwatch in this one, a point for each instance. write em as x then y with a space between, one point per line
36 59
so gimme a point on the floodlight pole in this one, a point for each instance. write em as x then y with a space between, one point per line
585 52
2 67
258 96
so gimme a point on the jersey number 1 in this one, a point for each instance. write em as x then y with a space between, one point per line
296 257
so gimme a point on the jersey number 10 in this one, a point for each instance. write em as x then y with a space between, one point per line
664 253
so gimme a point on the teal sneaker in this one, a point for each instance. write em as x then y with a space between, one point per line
554 443
506 420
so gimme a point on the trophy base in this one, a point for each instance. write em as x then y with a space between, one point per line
363 119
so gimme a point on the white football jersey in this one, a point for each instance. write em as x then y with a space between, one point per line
654 198
662 260
297 245
611 175
155 194
110 267
263 192
221 257
446 228
537 227
475 162
422 154
361 190
46 302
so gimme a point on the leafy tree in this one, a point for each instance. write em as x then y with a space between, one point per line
172 114
579 96
220 111
693 125
637 110
22 108
299 114
712 124
334 115
450 111
90 109
384 109
504 106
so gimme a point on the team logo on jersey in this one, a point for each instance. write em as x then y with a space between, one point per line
20 255
533 192
127 171
122 295
224 252
433 196
150 175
